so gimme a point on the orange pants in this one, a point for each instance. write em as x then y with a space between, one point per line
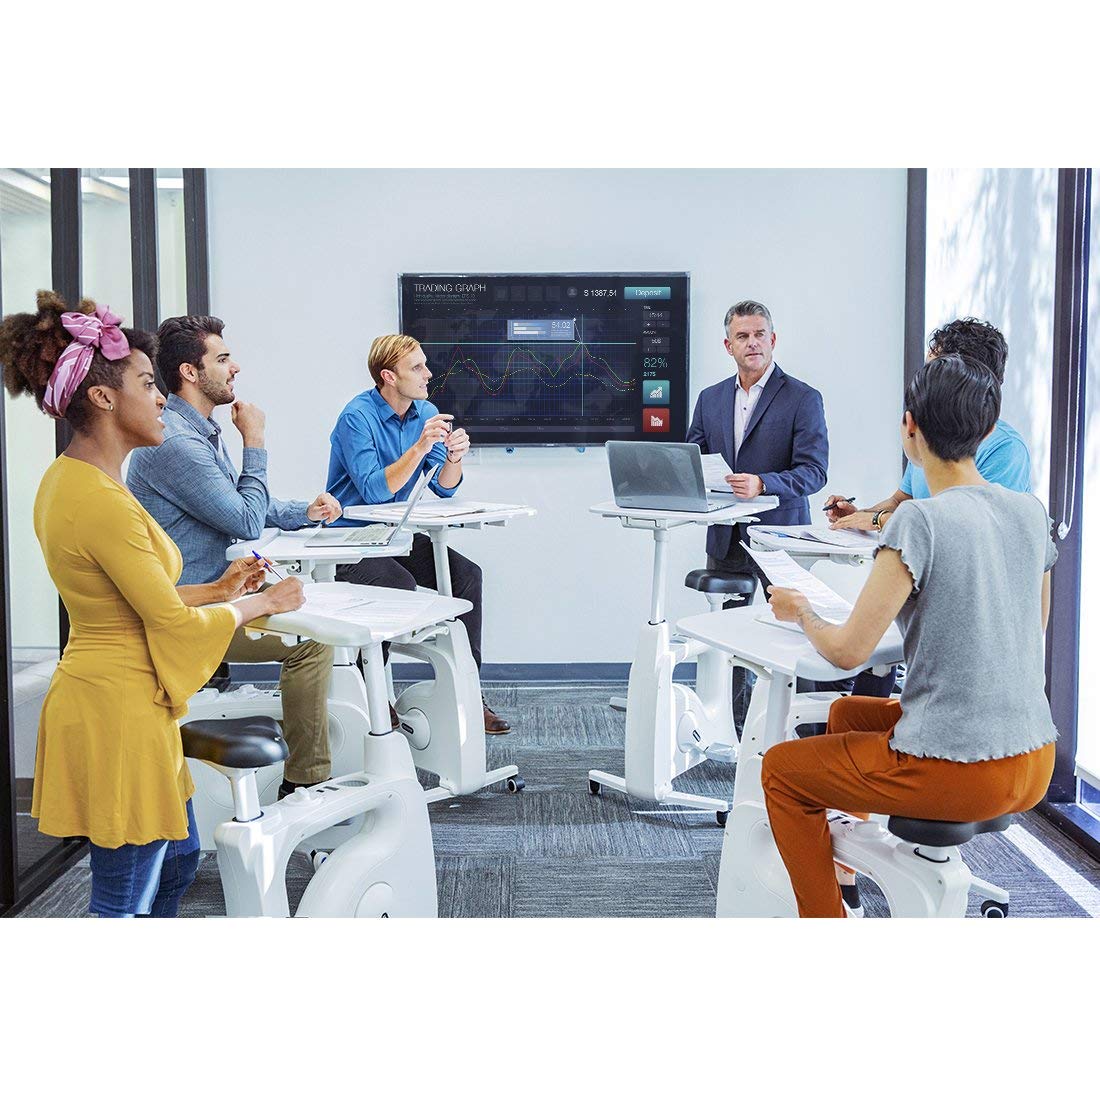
852 768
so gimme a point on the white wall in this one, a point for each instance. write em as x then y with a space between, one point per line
304 268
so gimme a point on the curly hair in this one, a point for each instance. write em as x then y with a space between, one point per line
31 343
972 339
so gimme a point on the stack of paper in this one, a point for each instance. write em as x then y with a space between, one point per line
823 536
783 572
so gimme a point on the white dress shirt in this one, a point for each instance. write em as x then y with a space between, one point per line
743 405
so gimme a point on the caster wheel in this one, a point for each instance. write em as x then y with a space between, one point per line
516 783
722 816
994 909
593 786
317 858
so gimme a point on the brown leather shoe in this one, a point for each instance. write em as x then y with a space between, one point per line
493 722
395 722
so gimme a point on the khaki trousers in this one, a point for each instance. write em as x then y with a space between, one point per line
304 683
852 768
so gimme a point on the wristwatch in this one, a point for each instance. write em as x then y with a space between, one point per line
763 487
876 519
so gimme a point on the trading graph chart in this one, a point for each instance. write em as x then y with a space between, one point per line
553 359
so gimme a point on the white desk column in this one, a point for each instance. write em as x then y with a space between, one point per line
660 576
438 536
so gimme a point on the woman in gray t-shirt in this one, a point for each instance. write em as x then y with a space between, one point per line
965 574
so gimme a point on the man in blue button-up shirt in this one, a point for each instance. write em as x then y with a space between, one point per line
191 488
384 439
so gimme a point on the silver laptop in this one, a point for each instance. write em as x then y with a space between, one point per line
375 534
666 477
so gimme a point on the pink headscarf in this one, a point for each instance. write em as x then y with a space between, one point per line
90 333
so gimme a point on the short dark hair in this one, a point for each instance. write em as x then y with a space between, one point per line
183 340
31 343
955 402
972 339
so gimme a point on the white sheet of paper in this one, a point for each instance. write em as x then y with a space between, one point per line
784 572
367 610
337 605
434 509
715 472
857 540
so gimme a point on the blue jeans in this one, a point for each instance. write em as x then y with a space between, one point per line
144 880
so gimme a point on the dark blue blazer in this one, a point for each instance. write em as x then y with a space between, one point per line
786 443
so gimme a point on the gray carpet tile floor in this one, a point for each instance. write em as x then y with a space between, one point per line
554 850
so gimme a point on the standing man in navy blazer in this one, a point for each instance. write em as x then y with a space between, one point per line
770 429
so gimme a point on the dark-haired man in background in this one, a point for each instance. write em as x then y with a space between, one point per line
1002 457
191 488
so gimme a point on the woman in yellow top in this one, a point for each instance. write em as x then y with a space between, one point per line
110 764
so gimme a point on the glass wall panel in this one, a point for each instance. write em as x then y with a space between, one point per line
106 267
991 255
25 268
171 258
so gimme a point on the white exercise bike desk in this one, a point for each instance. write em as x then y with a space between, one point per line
442 718
669 727
375 816
752 879
212 802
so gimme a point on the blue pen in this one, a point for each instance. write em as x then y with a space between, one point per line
270 568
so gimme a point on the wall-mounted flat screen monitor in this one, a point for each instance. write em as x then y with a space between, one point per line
567 359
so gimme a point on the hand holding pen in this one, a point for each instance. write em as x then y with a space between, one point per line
838 507
268 565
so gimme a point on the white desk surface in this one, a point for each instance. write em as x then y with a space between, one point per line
805 548
476 513
397 614
784 651
291 546
744 511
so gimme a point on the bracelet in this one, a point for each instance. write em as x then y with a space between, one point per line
454 461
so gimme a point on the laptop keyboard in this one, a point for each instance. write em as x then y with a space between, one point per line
376 534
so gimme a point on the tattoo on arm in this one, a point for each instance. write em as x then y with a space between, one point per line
809 620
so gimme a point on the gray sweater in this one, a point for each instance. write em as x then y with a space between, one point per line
974 689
